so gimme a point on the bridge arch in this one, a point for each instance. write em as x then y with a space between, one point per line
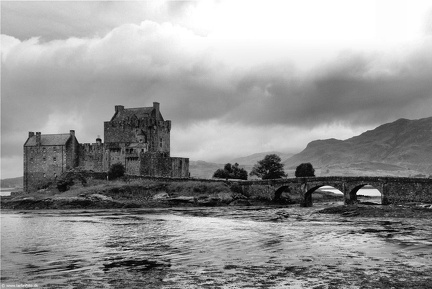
287 188
279 191
307 199
352 197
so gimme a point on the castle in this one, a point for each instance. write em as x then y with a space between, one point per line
138 138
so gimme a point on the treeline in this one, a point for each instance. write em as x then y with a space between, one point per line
270 167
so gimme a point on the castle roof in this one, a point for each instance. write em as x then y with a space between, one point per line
139 112
49 140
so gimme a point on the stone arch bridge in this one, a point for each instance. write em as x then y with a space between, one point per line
393 190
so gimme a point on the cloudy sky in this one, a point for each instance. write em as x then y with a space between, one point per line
235 77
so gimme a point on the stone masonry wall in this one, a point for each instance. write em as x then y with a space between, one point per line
132 166
43 164
91 157
114 156
157 133
72 153
156 164
404 191
179 167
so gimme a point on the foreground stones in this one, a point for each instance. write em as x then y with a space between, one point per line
93 202
101 201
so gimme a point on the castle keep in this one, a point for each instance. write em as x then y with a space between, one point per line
138 138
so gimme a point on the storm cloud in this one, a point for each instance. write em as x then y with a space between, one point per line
55 83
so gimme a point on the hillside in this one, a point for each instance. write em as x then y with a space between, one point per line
403 147
12 183
254 158
202 169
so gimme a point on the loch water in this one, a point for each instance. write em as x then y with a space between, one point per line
222 247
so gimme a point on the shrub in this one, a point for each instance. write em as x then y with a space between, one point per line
236 188
42 184
64 184
231 172
70 178
116 171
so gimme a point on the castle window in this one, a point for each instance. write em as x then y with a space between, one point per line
44 150
55 149
44 159
54 159
160 142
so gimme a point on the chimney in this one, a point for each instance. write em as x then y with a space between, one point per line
38 138
118 108
98 140
72 132
31 134
156 107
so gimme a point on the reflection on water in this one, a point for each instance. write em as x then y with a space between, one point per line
5 193
205 247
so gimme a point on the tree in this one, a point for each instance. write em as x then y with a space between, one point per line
231 172
305 170
116 171
269 168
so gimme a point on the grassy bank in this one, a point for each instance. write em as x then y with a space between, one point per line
131 194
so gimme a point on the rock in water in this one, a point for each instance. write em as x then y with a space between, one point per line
161 196
100 197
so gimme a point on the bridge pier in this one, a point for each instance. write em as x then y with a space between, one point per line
384 194
305 195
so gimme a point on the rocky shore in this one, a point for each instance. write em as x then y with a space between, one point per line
96 194
103 201
152 194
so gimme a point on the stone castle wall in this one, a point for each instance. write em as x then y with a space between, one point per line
156 133
138 138
155 164
132 165
42 164
91 157
72 152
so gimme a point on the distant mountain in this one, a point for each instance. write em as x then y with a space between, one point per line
202 169
254 158
12 183
403 147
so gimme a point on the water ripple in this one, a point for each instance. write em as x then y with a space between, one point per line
208 248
